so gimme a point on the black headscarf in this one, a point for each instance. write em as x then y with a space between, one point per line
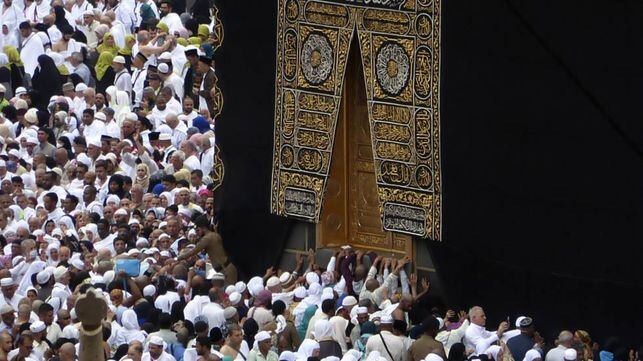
61 21
46 82
457 352
118 179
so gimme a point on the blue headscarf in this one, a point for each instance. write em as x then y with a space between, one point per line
201 124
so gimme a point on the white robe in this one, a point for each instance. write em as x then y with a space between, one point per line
37 12
10 17
31 49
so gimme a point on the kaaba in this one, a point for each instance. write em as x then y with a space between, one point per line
496 143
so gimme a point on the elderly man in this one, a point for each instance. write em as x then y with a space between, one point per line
263 352
477 338
8 316
565 341
155 351
9 294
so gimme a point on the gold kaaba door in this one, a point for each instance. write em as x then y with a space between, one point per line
350 209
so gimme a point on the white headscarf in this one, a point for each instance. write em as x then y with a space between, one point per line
130 330
25 282
169 197
307 348
323 330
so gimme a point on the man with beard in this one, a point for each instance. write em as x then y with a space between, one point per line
66 46
88 27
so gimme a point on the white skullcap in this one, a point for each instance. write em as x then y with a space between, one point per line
349 301
165 56
119 59
120 212
142 242
149 290
57 232
32 140
100 116
6 308
20 90
37 326
164 235
165 136
312 277
131 116
97 279
95 141
240 286
78 264
133 251
433 357
3 163
300 292
59 272
326 296
520 318
151 250
284 278
133 221
7 282
362 310
163 68
156 340
80 87
235 298
218 276
386 319
230 289
162 224
262 336
84 159
166 254
15 153
43 277
272 282
570 354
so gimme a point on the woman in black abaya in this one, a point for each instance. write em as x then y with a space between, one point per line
46 82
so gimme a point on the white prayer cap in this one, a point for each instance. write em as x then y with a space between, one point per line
165 136
6 308
78 264
235 298
326 296
386 319
108 276
433 357
570 354
151 250
97 279
119 59
131 116
59 272
163 68
37 326
133 252
255 285
100 116
156 340
349 301
300 292
362 310
162 224
32 140
240 286
142 242
230 289
262 336
520 318
165 56
95 141
272 282
84 159
218 276
229 313
133 221
3 163
81 87
284 278
43 277
15 153
312 277
165 254
120 212
186 212
149 290
5 282
21 90
57 232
